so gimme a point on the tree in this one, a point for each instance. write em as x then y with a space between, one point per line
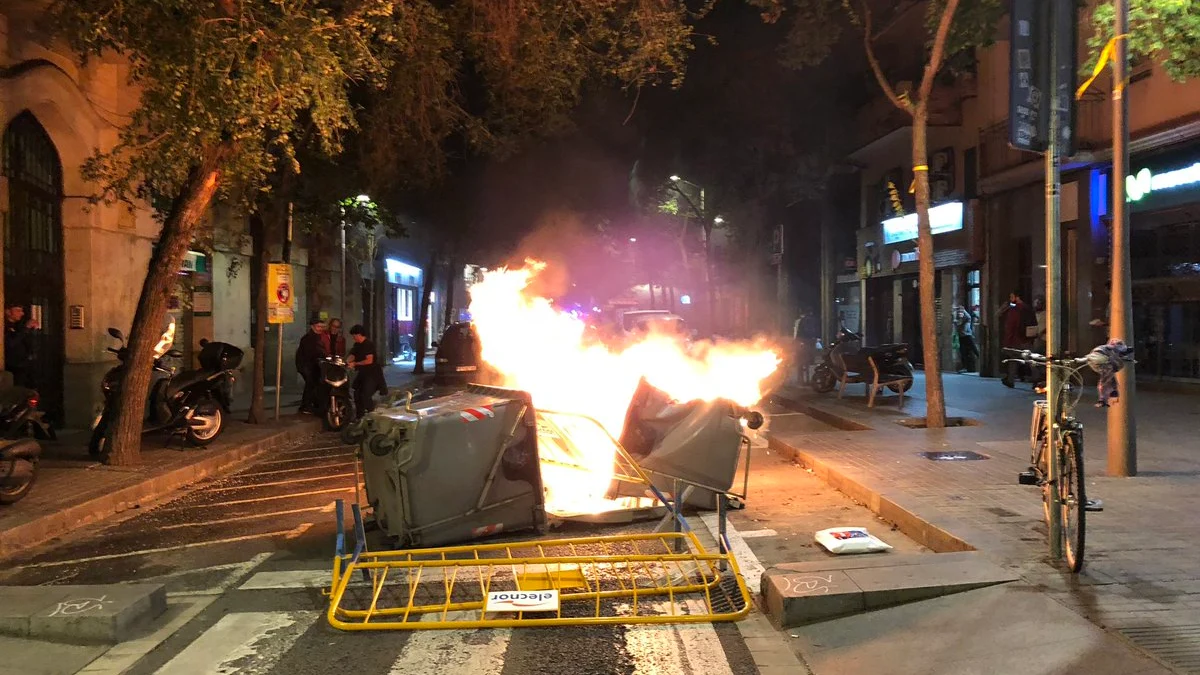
224 85
1162 31
954 27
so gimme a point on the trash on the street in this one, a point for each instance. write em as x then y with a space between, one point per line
847 540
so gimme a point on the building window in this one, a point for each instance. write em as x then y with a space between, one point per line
404 304
974 297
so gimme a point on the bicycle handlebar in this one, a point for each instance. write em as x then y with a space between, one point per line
1027 356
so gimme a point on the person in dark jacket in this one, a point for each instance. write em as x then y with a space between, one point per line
364 358
308 363
1016 319
18 345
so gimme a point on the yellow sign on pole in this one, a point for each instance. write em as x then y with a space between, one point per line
280 294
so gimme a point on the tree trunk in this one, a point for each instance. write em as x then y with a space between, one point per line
935 401
258 237
423 320
177 230
451 276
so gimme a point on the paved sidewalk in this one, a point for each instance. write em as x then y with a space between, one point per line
1142 578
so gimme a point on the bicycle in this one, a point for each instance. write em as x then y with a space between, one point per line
1063 483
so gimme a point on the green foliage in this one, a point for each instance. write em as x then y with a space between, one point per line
228 74
974 24
1163 31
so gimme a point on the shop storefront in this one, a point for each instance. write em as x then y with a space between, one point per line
1164 206
890 287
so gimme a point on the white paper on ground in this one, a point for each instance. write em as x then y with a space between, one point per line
845 540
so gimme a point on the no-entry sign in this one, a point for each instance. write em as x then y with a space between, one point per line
280 300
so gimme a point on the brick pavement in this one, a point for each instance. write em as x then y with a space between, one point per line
1142 578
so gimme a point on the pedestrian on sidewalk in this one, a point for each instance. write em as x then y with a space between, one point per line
1040 344
18 345
964 329
334 339
364 359
308 363
804 336
1017 318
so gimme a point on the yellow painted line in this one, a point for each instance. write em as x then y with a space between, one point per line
292 533
299 468
253 516
280 482
301 451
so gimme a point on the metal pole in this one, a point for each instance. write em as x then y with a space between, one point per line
278 368
1053 290
343 317
1122 424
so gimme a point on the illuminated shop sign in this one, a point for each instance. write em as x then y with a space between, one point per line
1146 181
942 218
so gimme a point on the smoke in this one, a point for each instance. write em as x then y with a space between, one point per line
558 239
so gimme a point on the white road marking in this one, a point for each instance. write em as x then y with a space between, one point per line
754 534
751 569
447 651
299 451
255 500
250 486
240 642
321 578
238 571
252 516
165 549
295 460
299 468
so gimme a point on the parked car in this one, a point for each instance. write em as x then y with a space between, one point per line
638 321
458 360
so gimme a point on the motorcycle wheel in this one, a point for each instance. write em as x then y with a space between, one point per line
207 433
99 441
14 494
336 415
823 380
907 385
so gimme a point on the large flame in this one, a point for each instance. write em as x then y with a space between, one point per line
544 351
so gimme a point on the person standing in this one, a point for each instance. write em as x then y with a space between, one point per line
364 358
334 339
1017 318
18 346
964 328
308 363
804 338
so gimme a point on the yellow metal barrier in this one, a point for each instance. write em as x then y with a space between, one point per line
625 579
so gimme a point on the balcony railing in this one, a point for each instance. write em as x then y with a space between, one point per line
1091 129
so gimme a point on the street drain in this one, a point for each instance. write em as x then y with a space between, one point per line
1179 646
962 456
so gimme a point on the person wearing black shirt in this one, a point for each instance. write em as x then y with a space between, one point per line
18 346
308 363
365 359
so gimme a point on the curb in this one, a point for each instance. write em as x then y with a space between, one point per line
889 508
76 516
820 414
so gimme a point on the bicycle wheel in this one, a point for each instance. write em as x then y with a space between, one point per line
1074 501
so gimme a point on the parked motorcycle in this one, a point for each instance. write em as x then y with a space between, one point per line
846 354
192 403
339 404
18 468
20 417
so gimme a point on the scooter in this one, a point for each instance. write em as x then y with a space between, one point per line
847 355
18 468
191 403
20 417
339 404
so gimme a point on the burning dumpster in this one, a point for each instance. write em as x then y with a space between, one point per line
453 468
700 443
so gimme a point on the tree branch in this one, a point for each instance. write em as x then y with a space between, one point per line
939 49
888 91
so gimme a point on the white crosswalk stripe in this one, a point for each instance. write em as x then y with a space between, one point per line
244 643
437 651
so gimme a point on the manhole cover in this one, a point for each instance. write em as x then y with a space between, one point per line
962 456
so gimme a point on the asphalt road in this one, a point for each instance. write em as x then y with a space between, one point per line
245 558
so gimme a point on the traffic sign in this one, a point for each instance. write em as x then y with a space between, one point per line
280 294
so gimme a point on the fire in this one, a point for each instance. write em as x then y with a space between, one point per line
546 352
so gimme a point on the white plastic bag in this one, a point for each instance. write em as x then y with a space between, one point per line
846 540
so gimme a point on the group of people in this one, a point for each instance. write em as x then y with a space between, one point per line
19 349
322 341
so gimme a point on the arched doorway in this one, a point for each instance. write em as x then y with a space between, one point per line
34 274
